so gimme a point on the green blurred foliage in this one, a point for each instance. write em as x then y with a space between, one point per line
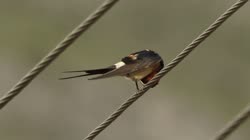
192 102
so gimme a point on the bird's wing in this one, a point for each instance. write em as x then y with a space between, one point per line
117 72
124 70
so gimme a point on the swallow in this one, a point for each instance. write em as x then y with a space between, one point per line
140 66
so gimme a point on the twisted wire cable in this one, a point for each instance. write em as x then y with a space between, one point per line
233 124
165 70
60 48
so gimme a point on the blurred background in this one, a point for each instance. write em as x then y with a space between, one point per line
192 102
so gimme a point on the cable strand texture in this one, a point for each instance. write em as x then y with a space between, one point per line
60 48
165 70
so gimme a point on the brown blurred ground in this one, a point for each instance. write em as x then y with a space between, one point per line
192 102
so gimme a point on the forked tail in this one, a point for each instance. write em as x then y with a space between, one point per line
88 72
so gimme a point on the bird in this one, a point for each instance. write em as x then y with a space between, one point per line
140 66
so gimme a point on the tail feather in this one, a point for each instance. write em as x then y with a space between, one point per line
99 71
70 77
74 71
88 72
94 71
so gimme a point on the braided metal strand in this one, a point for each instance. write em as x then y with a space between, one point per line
61 47
199 39
233 125
164 71
116 114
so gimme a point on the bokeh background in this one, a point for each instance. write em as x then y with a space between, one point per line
192 102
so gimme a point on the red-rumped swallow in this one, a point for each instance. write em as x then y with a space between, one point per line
139 66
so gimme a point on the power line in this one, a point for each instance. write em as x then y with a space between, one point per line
166 69
60 48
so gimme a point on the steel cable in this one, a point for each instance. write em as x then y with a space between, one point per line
61 47
165 70
233 124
